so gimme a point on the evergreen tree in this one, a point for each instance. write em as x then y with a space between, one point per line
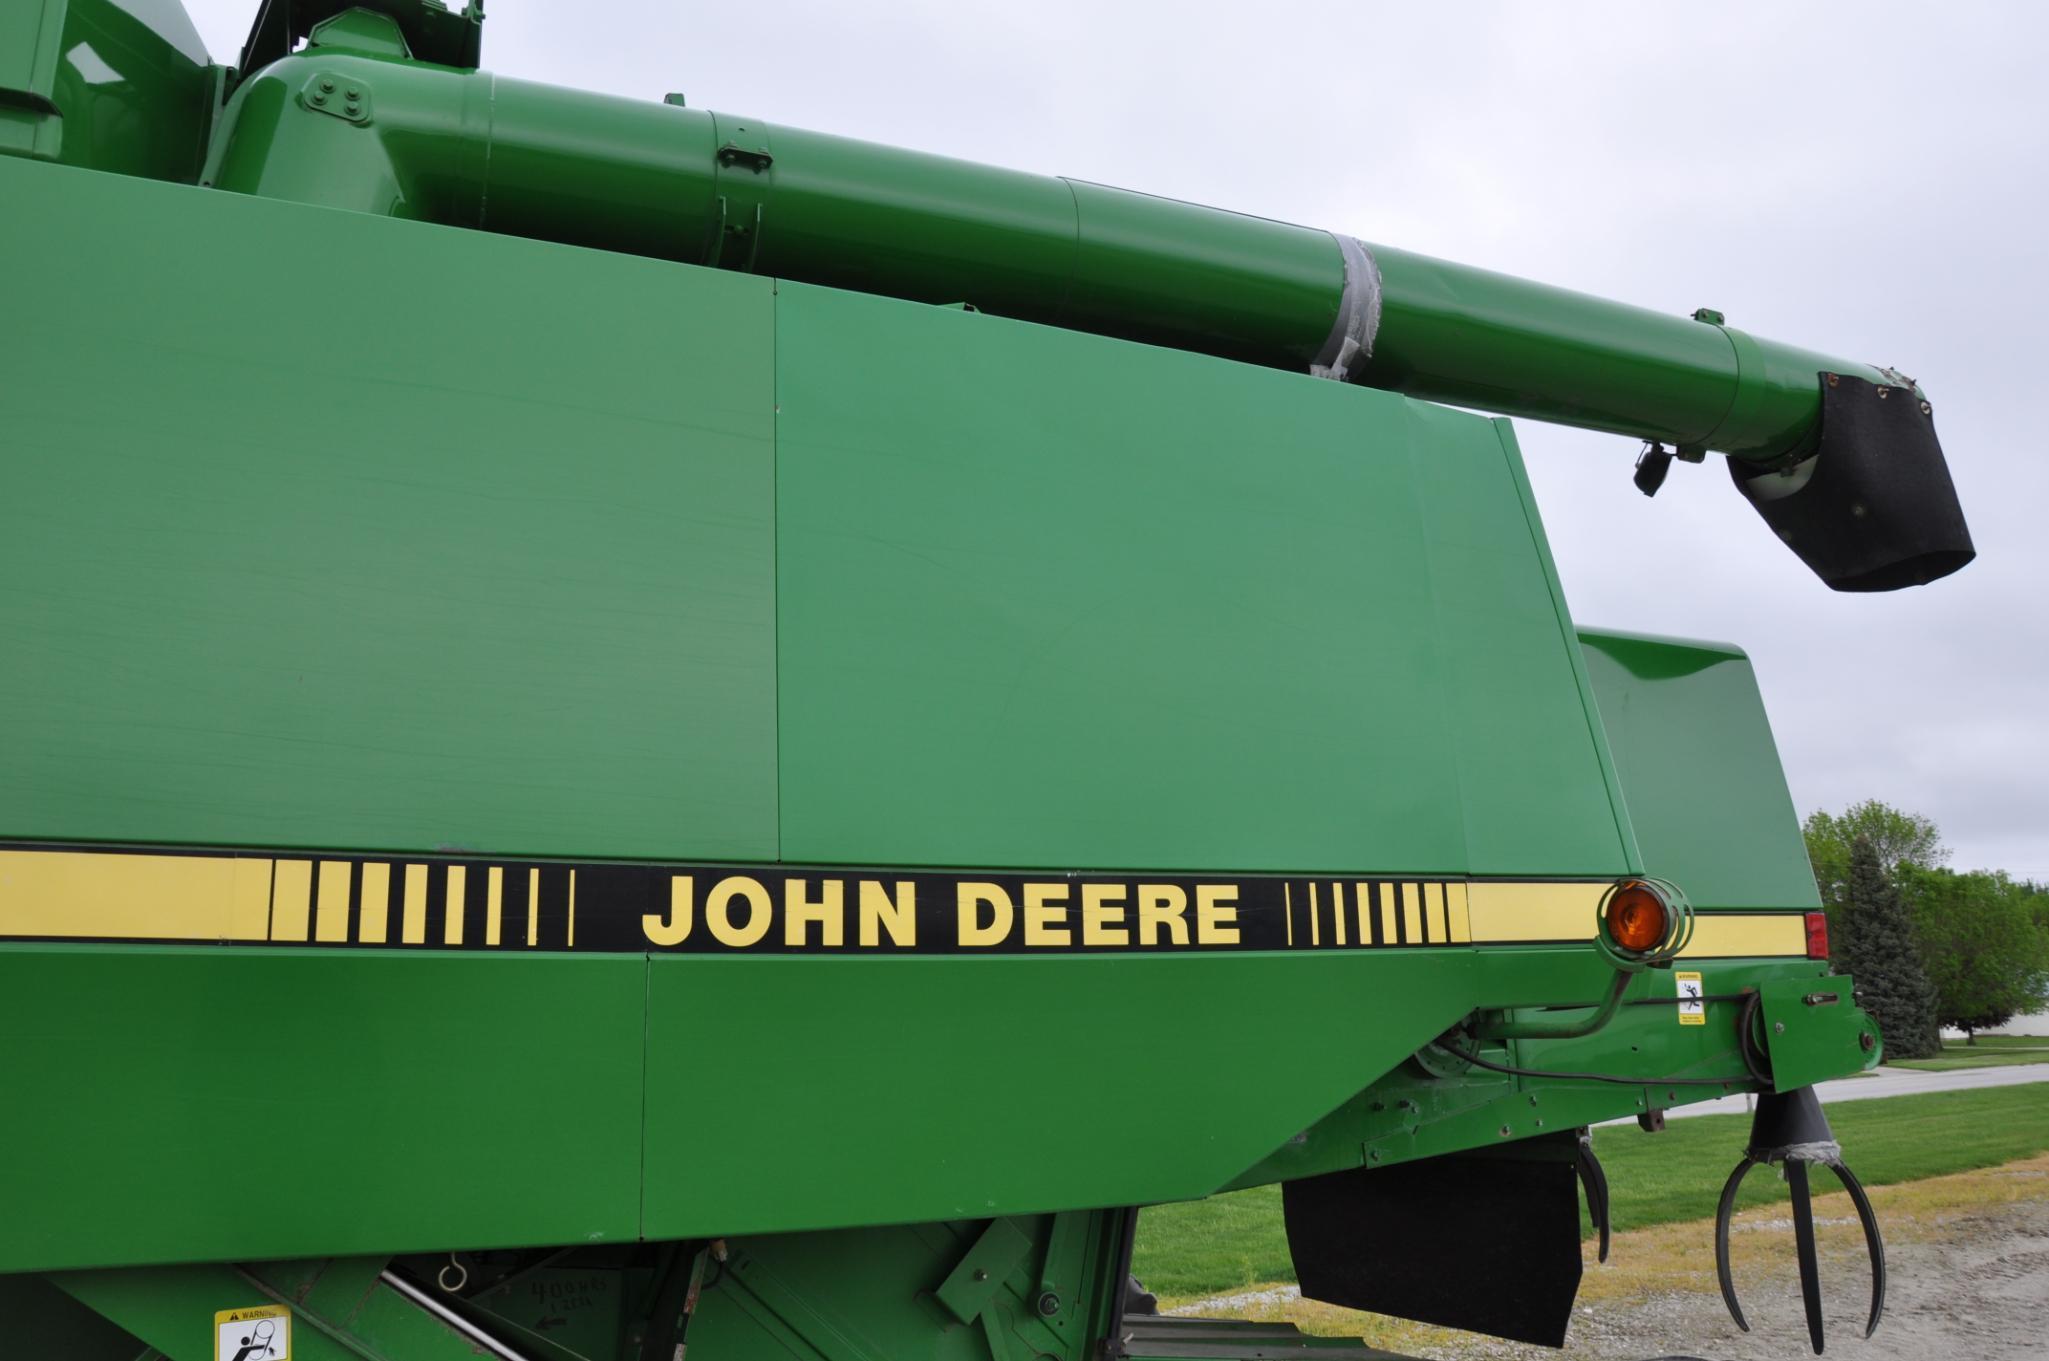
1881 953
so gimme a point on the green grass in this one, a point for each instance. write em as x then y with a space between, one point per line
1991 1051
1229 1242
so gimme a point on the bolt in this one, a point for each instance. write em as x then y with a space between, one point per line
1504 1131
981 1275
319 98
355 93
1778 1027
1883 392
1867 1041
1533 1098
327 85
1048 1305
1927 410
1374 1156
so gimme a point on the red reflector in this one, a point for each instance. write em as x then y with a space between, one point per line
1817 935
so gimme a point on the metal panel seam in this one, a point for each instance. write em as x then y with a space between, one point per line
647 1003
1625 832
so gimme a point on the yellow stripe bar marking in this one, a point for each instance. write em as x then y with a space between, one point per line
1360 907
1456 917
1337 910
374 920
451 917
249 913
1724 934
331 917
413 926
1438 923
1390 907
291 899
1288 900
1503 913
572 909
1412 916
494 898
533 906
1315 911
145 897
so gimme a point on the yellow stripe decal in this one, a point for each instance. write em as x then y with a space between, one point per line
331 916
1457 916
376 913
249 914
291 899
337 899
1718 935
458 883
1506 913
413 925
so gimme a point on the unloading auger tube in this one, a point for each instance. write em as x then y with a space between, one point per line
1840 457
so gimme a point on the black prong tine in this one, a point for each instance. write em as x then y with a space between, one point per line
1722 1214
1596 1179
1873 1242
1803 1245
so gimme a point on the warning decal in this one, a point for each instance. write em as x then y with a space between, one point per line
261 1332
1692 1010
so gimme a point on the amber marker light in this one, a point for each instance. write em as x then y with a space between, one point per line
1636 918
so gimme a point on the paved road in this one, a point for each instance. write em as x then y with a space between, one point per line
1884 1082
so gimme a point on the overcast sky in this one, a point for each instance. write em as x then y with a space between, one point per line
1867 181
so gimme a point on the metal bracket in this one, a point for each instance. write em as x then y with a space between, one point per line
980 1273
743 182
339 97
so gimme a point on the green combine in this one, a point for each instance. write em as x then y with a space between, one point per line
624 729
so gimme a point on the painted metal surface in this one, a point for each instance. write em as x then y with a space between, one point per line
1048 599
1700 772
291 1102
374 568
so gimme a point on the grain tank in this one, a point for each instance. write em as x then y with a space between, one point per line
625 728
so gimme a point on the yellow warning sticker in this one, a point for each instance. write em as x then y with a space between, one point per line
1692 1010
260 1332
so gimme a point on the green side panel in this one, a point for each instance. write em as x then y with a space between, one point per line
328 530
312 1103
883 1091
1051 599
1700 773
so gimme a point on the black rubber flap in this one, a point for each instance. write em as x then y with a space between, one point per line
1880 511
1488 1243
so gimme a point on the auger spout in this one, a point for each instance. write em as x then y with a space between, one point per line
1839 456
